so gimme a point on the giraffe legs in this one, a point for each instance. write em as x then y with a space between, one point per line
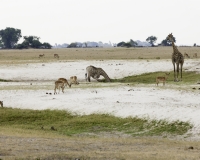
177 67
174 72
181 70
87 77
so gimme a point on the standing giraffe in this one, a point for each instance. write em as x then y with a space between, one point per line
177 58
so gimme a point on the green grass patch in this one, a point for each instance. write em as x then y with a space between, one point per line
150 78
4 80
68 124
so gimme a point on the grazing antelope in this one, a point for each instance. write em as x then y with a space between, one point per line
162 79
56 56
73 80
186 55
195 55
41 55
58 85
65 82
1 103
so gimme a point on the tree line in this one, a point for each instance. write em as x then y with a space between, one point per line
150 39
10 36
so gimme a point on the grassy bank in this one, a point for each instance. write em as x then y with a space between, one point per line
4 80
150 78
64 123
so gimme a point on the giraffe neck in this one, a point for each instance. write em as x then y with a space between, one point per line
104 74
174 47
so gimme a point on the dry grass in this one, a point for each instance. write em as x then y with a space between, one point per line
32 55
33 145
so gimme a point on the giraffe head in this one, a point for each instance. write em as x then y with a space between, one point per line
170 37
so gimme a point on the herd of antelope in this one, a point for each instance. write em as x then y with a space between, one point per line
187 56
62 82
42 56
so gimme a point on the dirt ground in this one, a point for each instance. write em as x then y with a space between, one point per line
20 145
102 146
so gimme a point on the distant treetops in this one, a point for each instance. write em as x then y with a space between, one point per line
151 40
10 36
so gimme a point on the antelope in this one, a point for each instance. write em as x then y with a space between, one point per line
195 55
1 103
186 55
65 82
58 85
56 56
41 55
73 80
162 79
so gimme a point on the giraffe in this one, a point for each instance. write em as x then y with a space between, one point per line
177 59
95 73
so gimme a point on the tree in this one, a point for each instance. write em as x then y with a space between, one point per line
72 45
1 44
120 44
133 43
30 39
128 44
10 37
166 42
151 40
46 45
33 42
36 44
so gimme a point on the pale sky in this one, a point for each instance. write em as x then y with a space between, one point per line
66 21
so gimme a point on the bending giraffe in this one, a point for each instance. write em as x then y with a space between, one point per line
177 59
95 73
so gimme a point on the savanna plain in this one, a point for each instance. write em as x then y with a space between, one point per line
128 118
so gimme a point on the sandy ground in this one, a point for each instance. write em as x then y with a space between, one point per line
122 100
32 82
